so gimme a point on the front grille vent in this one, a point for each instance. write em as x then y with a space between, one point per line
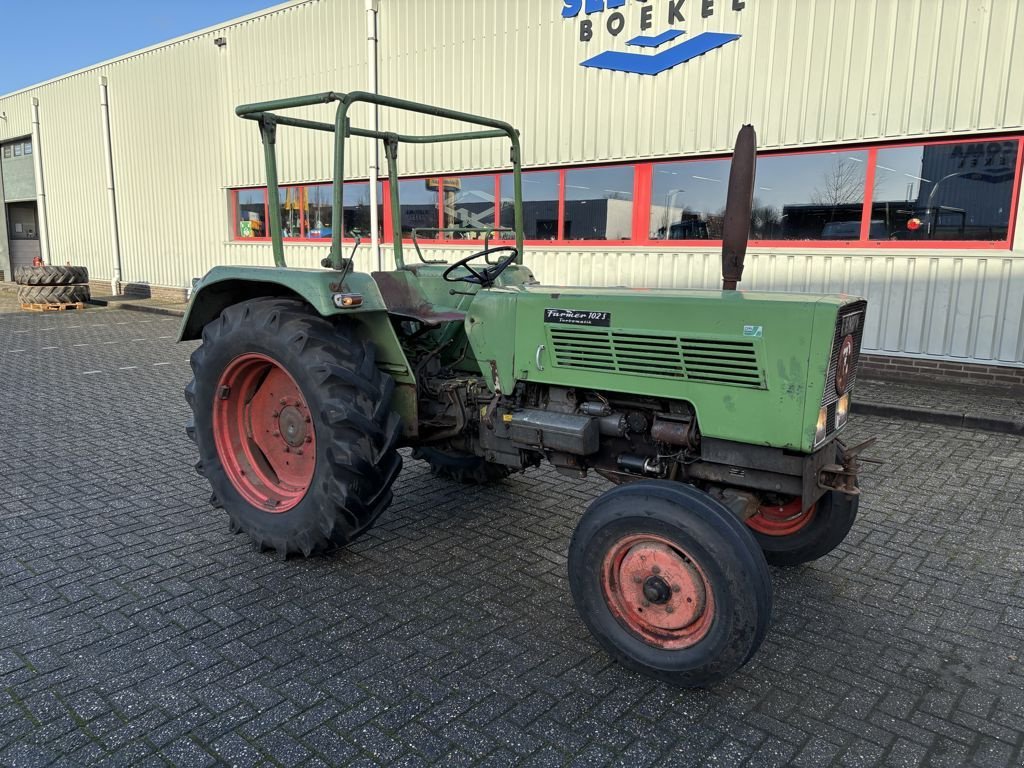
690 358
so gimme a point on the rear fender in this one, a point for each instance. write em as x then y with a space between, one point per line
225 286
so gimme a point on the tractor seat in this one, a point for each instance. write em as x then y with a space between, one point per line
404 297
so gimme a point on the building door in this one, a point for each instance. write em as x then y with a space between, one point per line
23 234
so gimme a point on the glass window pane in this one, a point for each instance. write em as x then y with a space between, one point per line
291 211
7 150
599 203
251 216
28 147
957 191
818 196
468 204
319 211
688 200
418 198
540 205
356 206
17 150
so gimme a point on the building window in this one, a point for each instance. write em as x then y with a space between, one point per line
598 203
420 205
961 191
688 200
468 204
540 205
7 150
813 196
17 150
251 213
293 207
28 147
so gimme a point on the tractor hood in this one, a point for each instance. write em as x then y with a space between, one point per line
754 365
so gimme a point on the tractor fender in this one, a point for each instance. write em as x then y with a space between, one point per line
225 286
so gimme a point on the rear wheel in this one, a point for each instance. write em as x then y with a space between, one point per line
670 582
53 294
789 536
462 467
293 423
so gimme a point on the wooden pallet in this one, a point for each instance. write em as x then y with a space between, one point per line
53 307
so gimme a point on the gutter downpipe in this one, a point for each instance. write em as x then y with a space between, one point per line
371 62
115 240
37 167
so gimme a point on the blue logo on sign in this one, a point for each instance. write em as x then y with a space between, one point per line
647 63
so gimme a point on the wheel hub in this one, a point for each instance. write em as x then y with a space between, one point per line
292 425
658 591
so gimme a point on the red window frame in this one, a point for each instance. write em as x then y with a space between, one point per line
643 177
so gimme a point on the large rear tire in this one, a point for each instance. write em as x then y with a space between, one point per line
789 537
294 427
670 582
51 274
461 467
53 294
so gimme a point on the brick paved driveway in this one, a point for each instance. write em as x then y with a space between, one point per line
134 629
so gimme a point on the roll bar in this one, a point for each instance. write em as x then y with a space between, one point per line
264 114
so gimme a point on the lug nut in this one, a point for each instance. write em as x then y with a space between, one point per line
655 569
275 414
309 439
283 401
298 451
669 609
637 580
275 433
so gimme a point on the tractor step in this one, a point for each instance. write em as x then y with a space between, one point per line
53 307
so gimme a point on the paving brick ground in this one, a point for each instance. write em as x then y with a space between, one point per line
135 630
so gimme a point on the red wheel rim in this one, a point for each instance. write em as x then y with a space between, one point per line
263 433
658 591
781 519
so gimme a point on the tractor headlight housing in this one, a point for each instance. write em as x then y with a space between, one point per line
842 410
820 432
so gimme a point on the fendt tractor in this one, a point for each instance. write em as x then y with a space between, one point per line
715 413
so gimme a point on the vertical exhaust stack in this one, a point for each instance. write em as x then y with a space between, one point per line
736 227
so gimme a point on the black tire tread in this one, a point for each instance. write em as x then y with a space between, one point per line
362 431
51 274
833 521
53 294
463 468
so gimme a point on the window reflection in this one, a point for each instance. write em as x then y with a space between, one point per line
292 201
688 200
957 191
469 205
599 203
540 205
418 198
252 213
356 207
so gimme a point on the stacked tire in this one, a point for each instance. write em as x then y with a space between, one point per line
52 284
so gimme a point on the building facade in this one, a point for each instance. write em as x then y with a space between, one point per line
890 134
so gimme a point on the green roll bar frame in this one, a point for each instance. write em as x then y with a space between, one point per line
263 113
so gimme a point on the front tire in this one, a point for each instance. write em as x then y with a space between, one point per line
790 537
670 582
293 423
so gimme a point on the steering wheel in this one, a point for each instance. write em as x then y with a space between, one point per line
483 277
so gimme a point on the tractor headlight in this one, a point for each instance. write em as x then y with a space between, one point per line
819 432
842 410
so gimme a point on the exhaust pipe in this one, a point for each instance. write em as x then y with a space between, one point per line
738 204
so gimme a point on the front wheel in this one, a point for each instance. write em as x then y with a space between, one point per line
670 582
788 535
293 423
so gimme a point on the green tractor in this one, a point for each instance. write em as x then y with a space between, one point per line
715 413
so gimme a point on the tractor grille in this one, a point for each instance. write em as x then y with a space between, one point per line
830 396
712 361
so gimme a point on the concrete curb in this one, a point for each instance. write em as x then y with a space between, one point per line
131 307
1002 424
